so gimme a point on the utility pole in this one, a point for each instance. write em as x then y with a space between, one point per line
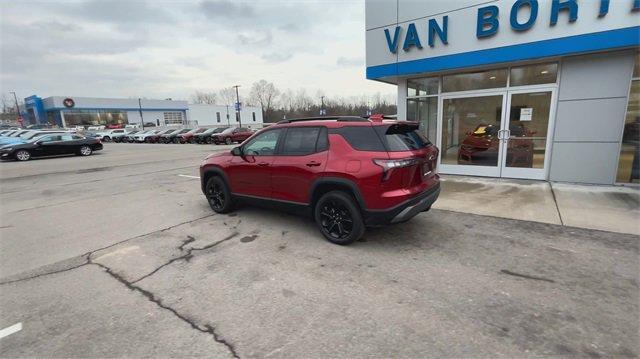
322 110
238 118
228 122
140 109
17 106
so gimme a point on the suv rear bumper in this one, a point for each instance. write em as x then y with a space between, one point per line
404 211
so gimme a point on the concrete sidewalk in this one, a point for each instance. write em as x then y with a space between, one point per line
607 208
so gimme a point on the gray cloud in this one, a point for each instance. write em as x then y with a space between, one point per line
276 57
349 61
226 9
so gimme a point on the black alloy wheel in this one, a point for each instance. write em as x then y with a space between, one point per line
218 195
228 141
339 218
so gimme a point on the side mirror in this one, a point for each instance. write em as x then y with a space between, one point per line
237 151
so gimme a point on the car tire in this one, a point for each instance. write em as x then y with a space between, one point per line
218 195
209 140
176 140
228 141
338 217
106 139
22 155
85 151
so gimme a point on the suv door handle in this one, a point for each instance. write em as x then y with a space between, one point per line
263 164
313 164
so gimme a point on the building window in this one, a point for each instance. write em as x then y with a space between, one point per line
173 118
94 117
629 161
533 74
422 87
218 116
422 104
475 80
253 114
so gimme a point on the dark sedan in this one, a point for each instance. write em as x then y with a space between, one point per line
51 145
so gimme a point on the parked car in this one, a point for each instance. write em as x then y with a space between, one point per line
107 135
205 137
189 136
480 146
24 136
143 136
172 137
122 136
130 137
346 172
155 137
51 145
231 135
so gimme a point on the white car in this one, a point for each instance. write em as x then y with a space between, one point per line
107 135
142 136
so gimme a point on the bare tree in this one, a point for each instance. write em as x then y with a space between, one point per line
227 95
201 97
264 93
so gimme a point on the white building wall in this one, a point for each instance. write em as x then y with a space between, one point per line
207 115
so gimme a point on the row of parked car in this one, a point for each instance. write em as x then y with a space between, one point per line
23 145
202 135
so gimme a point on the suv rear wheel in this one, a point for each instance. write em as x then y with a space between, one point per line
339 218
218 195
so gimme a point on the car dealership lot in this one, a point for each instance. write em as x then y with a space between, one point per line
118 254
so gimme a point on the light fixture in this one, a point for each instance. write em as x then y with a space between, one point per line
492 78
544 72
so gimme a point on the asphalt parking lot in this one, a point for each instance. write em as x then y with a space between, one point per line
119 255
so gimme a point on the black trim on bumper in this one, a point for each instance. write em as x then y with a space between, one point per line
404 211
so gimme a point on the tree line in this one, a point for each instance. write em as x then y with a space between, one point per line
281 104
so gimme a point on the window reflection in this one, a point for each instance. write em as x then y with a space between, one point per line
95 117
475 81
534 74
422 87
470 130
424 111
629 161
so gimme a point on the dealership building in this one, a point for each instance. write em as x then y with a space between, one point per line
531 89
71 111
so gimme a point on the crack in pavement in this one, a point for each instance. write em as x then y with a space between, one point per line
87 255
187 256
206 328
152 298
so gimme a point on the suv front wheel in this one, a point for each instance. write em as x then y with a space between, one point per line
218 195
339 218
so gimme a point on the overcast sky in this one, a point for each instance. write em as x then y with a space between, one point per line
160 49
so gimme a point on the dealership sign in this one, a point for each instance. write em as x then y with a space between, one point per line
501 31
487 22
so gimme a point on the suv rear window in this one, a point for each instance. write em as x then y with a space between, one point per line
402 137
300 141
361 138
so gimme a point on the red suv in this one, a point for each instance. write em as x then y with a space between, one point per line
231 135
347 172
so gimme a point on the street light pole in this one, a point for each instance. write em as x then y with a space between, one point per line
140 109
238 118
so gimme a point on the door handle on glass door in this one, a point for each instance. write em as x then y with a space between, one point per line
263 164
313 164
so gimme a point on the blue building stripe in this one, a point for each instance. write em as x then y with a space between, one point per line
570 45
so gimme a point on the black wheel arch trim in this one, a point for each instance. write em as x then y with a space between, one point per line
213 170
339 181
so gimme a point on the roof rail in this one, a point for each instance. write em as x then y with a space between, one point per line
327 118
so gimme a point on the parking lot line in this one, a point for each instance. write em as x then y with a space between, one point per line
10 330
188 176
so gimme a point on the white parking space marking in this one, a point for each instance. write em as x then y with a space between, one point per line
10 330
188 176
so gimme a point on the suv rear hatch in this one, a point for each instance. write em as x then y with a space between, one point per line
412 158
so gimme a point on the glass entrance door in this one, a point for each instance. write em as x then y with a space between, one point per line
468 140
525 134
500 134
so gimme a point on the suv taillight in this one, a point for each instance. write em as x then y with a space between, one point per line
389 165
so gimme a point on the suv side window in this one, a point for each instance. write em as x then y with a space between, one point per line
50 139
361 138
264 144
300 141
